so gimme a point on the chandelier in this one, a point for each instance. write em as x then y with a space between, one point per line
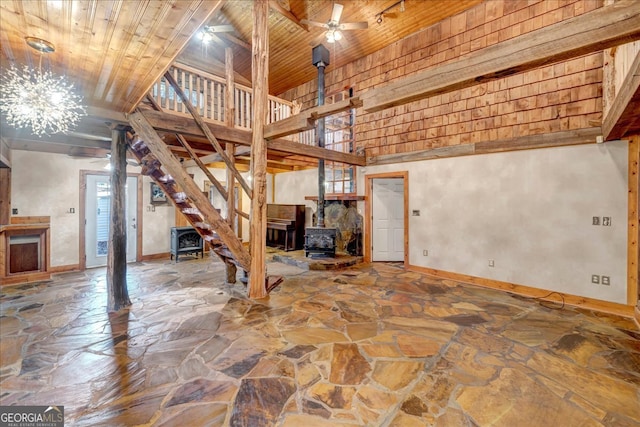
36 99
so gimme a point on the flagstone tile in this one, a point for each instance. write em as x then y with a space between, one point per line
370 345
348 366
334 396
515 399
259 401
395 375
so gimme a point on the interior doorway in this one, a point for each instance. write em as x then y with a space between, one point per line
96 218
386 217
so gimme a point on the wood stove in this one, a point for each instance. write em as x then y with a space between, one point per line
186 240
320 241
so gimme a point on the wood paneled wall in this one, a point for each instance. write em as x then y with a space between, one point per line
557 97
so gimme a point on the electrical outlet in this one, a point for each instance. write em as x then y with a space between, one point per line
425 252
492 263
415 212
606 280
606 221
596 220
14 211
595 279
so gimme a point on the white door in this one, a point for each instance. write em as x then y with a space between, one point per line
387 209
98 218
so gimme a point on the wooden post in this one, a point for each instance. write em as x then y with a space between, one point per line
230 150
633 229
260 83
117 293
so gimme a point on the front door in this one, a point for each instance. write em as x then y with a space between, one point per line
387 209
98 218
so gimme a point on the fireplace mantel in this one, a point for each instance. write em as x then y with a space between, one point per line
25 245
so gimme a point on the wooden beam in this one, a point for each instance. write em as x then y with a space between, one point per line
260 83
186 126
207 132
315 152
555 139
174 168
273 4
306 119
229 114
623 116
591 32
215 158
288 126
193 154
117 292
235 40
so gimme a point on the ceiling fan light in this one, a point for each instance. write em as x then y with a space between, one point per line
331 38
337 35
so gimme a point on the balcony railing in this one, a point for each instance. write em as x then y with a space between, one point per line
207 94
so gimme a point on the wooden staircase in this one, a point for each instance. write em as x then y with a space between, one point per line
159 163
152 167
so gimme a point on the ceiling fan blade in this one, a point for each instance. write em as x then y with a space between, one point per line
354 26
313 23
337 12
220 28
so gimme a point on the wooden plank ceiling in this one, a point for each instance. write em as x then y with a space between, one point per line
113 50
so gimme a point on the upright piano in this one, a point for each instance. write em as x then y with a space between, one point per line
285 226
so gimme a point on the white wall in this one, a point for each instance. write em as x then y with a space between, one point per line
529 211
292 187
45 184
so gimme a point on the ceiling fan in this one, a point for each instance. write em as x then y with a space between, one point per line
334 27
209 32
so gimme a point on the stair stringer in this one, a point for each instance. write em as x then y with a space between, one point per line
206 219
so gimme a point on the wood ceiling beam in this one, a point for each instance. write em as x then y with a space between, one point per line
591 32
273 4
623 117
177 124
235 40
554 139
306 119
315 152
186 126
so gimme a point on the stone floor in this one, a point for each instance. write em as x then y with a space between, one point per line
363 346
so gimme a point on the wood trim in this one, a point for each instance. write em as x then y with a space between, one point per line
64 268
5 195
633 229
153 257
368 211
30 220
17 279
625 106
139 214
591 32
82 262
528 142
527 291
636 316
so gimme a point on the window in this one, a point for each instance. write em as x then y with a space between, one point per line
339 136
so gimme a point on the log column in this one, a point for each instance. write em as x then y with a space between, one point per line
230 150
260 83
117 292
